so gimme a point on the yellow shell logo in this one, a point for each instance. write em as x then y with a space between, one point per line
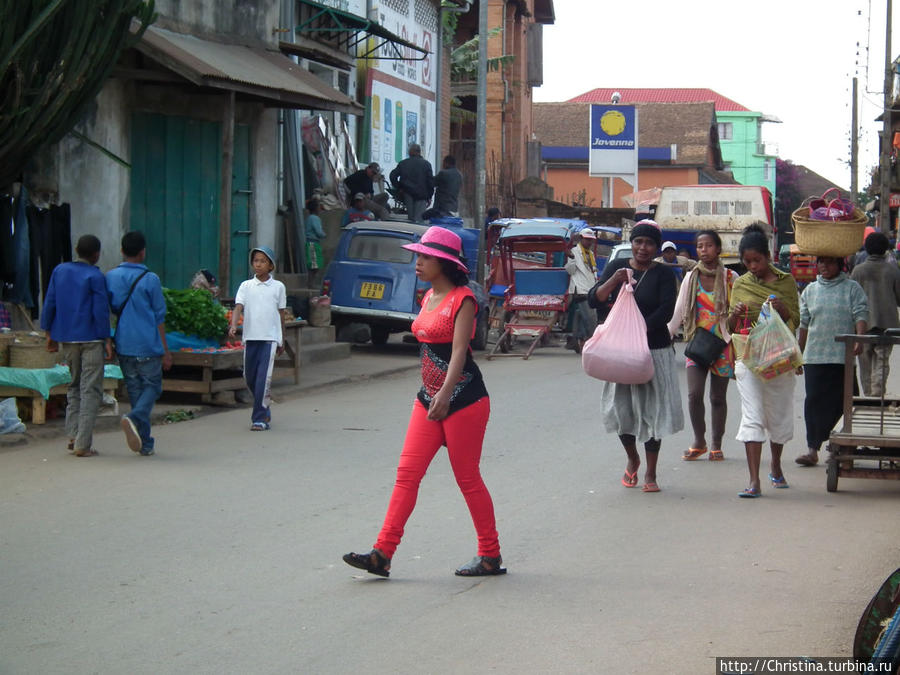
612 123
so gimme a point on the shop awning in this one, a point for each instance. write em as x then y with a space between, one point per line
351 33
252 72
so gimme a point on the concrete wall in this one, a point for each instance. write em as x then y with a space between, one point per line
566 182
95 185
252 20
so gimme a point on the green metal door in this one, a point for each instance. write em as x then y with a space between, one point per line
175 177
241 191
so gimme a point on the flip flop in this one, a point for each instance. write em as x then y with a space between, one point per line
779 482
806 460
693 453
650 487
629 480
750 493
716 456
86 453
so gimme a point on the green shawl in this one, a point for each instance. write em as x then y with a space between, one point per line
753 293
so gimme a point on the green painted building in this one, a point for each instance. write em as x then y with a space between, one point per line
743 151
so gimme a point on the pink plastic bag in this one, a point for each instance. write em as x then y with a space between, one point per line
618 351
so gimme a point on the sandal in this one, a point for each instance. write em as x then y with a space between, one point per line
481 566
372 562
629 480
750 493
780 482
716 456
260 426
90 452
807 460
650 487
693 453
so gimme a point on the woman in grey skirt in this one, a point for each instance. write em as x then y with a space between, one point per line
643 412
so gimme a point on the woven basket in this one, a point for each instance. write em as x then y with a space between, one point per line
828 238
32 355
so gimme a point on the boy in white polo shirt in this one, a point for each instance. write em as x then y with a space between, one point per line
262 301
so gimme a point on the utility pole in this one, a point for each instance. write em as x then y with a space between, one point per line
884 212
854 147
481 131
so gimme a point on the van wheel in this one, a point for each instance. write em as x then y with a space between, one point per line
380 335
479 341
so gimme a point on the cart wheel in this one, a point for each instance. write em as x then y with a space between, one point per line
380 335
831 474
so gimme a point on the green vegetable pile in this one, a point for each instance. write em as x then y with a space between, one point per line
193 311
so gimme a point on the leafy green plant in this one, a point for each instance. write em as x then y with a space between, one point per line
193 311
180 415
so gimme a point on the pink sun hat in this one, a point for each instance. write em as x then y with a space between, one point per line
440 243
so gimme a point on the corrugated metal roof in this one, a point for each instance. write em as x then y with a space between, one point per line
604 95
257 72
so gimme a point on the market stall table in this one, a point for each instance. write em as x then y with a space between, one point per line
210 372
39 384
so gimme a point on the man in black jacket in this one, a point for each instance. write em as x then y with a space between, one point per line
362 181
415 177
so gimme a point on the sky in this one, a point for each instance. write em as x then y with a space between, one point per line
791 59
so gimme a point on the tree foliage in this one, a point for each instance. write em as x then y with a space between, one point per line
55 56
787 192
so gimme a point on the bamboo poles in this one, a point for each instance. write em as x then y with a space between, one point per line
55 56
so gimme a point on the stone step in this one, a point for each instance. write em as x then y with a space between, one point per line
313 335
325 351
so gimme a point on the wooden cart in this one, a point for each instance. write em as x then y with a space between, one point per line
869 430
208 373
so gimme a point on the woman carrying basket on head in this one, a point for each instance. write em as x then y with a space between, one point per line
767 406
703 305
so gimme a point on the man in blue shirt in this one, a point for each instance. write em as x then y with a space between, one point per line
135 296
76 316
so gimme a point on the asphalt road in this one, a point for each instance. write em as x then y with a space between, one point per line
222 554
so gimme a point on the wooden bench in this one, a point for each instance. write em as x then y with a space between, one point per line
39 403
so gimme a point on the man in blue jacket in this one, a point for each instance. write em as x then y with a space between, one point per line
76 316
135 296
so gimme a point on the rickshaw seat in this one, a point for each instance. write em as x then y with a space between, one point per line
546 281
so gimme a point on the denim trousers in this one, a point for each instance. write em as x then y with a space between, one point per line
143 380
85 392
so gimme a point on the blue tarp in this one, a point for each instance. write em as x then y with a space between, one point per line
42 380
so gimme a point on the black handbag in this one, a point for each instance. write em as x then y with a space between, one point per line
704 348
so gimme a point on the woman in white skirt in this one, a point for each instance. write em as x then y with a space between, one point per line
644 413
767 406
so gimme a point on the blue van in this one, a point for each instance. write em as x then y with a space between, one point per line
372 278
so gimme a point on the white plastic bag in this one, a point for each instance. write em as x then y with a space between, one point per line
618 351
9 418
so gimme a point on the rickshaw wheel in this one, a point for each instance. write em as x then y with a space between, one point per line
831 468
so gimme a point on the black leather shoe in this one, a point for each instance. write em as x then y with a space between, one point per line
372 562
482 566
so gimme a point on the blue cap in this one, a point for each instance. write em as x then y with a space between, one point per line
266 251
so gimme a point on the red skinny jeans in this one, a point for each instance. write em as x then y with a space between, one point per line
463 433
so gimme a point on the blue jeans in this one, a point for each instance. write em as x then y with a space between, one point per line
143 380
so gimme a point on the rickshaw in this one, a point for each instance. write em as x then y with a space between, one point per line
527 272
866 441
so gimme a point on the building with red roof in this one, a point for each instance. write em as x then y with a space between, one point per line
744 153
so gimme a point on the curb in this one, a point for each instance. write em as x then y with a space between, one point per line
55 429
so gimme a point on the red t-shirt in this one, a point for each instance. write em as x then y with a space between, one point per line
434 330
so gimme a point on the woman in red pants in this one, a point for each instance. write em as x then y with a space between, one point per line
452 408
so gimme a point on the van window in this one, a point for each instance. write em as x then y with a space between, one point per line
720 208
743 208
701 208
380 248
679 207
